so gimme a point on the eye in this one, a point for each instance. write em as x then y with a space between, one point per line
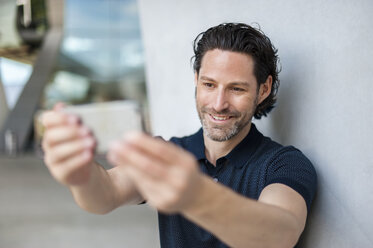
238 89
208 85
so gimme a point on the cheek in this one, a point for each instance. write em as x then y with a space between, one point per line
203 98
244 104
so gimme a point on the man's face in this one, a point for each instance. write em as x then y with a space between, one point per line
226 93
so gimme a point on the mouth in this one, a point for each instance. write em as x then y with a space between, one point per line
220 118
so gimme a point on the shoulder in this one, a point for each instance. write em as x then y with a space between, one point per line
288 165
277 155
192 143
189 142
180 141
286 157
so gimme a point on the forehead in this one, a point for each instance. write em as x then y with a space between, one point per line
228 65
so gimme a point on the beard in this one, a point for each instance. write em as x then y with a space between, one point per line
225 132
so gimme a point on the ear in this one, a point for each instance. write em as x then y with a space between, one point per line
265 89
195 79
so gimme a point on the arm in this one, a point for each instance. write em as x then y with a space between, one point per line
69 148
105 190
276 220
170 180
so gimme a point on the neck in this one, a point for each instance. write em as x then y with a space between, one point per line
217 149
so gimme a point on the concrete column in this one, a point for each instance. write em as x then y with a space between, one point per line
3 103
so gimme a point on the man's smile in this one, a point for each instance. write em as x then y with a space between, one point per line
220 118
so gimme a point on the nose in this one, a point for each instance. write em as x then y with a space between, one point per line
221 101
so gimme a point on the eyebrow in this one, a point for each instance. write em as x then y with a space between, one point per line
242 83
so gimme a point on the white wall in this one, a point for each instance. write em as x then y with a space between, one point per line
325 99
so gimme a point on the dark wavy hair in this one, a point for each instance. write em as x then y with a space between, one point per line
242 38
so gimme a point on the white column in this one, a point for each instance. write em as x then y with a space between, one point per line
3 103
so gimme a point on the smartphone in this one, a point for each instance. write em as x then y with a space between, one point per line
109 121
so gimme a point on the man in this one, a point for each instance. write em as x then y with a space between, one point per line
225 186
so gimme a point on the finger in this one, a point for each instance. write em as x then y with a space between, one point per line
65 133
67 150
141 180
54 118
158 194
158 148
59 106
148 187
74 169
124 154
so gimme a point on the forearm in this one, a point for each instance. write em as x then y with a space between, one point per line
96 195
239 221
104 191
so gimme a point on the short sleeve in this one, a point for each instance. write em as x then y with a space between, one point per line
292 168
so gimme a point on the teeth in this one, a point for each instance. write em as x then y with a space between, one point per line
220 118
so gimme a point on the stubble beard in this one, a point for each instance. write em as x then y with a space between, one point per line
219 134
222 133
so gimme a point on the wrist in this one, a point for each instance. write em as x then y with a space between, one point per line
84 176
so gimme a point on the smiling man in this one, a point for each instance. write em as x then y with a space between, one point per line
226 185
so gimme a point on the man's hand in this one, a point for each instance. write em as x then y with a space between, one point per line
165 175
169 179
68 146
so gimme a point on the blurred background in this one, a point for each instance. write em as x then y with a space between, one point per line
80 53
66 51
102 51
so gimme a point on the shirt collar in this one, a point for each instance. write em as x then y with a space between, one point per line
239 156
196 145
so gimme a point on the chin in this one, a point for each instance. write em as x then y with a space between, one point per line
219 135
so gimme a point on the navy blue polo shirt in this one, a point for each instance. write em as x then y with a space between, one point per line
254 163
